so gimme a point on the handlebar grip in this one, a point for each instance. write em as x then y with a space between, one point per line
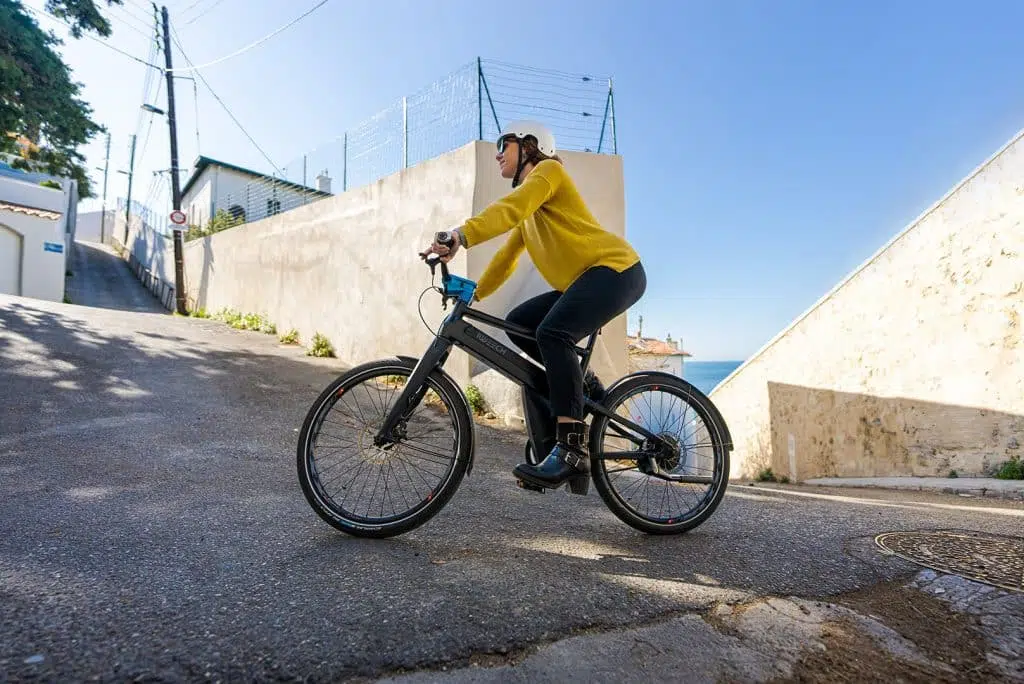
444 237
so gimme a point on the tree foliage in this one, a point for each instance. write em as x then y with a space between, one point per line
42 118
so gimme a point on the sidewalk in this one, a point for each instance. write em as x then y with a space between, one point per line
973 486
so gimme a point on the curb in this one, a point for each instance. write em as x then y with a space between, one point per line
989 488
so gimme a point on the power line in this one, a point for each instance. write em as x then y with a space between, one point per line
94 38
177 41
258 42
202 13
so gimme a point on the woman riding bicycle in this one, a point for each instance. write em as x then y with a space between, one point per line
595 275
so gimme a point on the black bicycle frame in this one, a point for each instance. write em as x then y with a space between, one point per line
456 331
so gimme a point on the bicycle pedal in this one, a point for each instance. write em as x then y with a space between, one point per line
530 486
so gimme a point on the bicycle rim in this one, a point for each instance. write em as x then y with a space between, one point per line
673 409
362 489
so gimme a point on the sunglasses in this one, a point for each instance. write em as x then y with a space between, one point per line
504 142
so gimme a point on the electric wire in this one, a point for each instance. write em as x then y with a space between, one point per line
256 43
202 14
94 38
177 41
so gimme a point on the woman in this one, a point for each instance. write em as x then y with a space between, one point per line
596 275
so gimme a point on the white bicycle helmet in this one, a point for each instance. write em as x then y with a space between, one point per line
520 129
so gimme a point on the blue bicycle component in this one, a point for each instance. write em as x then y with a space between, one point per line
461 288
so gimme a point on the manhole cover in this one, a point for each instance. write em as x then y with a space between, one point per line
994 560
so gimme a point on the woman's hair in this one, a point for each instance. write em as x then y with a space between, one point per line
532 154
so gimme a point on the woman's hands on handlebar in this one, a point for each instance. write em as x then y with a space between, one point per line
446 243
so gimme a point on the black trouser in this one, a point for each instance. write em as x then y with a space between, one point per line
562 319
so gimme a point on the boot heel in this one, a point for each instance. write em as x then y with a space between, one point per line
579 484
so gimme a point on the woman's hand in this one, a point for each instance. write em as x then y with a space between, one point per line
445 252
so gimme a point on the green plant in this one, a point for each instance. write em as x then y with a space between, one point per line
476 399
51 184
1011 470
766 475
952 473
321 346
290 337
222 220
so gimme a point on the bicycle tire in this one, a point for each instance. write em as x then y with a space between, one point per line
704 408
454 400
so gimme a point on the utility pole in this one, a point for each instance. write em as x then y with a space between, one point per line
179 248
128 203
103 214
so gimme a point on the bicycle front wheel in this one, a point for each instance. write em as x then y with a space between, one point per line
368 491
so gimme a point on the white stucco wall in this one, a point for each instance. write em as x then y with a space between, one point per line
43 241
89 226
348 266
914 365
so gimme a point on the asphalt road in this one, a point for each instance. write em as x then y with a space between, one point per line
99 279
152 527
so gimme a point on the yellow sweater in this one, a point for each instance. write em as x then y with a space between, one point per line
547 217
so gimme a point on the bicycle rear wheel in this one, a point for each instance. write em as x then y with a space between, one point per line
392 490
694 447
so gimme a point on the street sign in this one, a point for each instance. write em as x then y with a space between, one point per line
178 217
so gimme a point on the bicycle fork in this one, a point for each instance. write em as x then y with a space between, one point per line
411 395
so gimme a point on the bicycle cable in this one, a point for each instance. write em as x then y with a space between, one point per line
419 307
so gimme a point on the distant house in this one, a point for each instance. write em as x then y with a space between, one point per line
649 353
37 223
245 194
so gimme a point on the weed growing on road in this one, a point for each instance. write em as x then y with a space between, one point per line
767 475
476 399
290 337
321 346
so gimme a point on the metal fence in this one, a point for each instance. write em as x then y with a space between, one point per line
472 103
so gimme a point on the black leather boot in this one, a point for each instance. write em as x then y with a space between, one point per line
565 463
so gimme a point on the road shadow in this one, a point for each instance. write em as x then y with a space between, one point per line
148 489
99 278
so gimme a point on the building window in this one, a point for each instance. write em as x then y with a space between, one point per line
273 207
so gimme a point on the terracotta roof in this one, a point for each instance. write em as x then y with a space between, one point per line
649 345
31 211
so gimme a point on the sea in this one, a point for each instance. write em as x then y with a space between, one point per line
706 375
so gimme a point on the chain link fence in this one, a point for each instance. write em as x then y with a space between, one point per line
472 103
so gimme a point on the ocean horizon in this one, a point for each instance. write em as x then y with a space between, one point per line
706 375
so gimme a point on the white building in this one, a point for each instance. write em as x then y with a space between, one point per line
243 193
37 228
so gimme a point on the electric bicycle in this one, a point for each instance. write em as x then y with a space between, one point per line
409 423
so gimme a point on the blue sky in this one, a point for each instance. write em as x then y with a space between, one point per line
769 147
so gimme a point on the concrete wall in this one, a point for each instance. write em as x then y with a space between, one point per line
43 241
149 254
599 178
89 225
914 365
347 266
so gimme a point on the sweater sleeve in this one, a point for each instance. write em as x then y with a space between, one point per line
502 265
509 211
